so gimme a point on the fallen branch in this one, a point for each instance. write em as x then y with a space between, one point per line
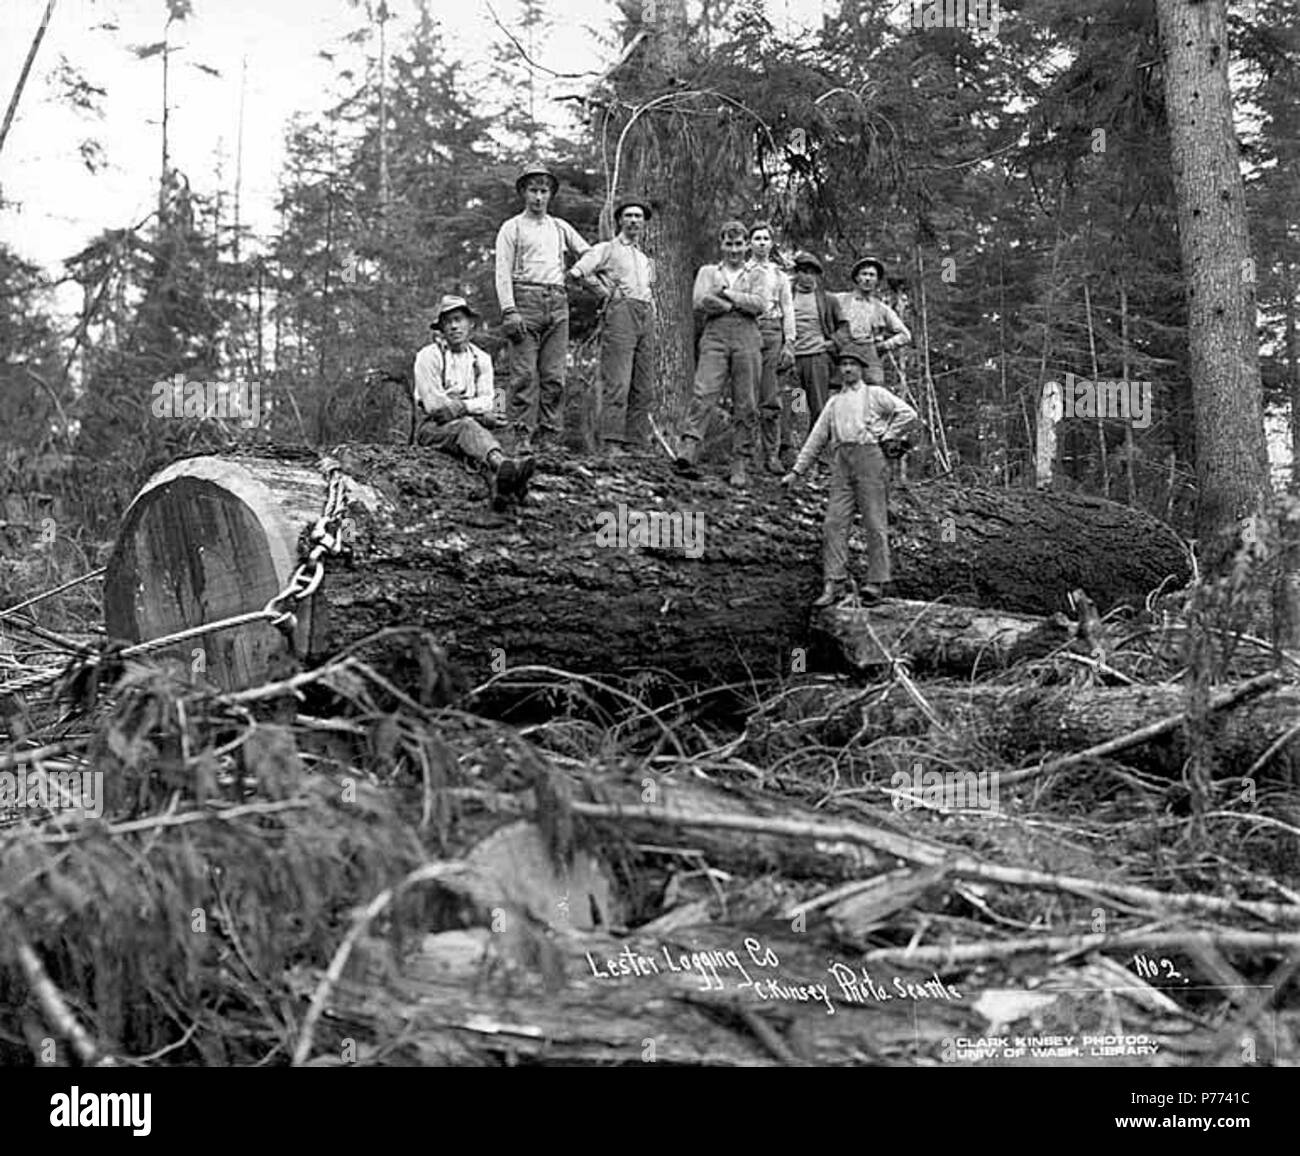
57 1013
1248 689
358 929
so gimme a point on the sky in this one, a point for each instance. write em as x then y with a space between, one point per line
56 205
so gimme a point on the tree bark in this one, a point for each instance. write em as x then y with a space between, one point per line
1231 457
568 582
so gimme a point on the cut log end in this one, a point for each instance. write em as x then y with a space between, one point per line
209 539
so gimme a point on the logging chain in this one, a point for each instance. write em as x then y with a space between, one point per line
326 538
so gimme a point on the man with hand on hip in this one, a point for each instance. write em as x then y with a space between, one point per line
530 256
623 277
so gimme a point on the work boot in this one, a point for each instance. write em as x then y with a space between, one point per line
685 463
508 477
832 591
738 478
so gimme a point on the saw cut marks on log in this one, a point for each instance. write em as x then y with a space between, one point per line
212 537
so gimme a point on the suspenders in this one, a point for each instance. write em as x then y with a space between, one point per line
519 256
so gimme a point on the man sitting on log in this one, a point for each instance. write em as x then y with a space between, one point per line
455 397
864 424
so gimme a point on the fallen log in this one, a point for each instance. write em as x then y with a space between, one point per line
1025 723
937 638
716 587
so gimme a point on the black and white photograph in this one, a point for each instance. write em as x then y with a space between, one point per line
656 534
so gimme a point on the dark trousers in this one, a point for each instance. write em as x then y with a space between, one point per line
812 374
538 360
859 481
627 350
463 437
730 354
769 394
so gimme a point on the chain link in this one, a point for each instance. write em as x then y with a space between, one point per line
326 538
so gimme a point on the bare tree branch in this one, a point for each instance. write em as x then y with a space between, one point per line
27 67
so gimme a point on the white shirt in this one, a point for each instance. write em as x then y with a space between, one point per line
466 376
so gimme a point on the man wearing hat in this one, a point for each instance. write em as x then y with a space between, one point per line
873 325
819 326
530 258
864 425
623 277
455 400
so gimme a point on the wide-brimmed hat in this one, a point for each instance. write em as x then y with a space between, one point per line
851 351
536 170
629 203
449 304
861 264
803 257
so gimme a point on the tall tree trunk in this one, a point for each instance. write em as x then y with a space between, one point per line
1231 457
659 169
22 76
1130 447
1103 464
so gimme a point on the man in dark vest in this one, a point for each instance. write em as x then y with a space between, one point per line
819 328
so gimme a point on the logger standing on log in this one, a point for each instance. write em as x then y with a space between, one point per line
623 276
455 394
777 331
820 328
873 326
730 298
864 424
530 252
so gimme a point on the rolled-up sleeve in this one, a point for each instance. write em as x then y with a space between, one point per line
428 375
786 298
505 251
483 398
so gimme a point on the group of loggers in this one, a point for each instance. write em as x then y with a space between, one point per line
754 322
